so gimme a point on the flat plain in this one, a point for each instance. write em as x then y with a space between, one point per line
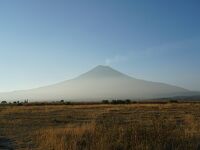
139 126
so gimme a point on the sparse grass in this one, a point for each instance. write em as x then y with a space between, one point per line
103 127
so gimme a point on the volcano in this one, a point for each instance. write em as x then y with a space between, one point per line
102 82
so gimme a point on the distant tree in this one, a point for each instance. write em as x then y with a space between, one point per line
3 102
105 101
62 101
20 104
118 102
128 101
26 101
113 101
121 102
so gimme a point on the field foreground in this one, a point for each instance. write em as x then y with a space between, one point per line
101 127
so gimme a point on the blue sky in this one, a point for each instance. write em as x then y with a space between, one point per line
47 41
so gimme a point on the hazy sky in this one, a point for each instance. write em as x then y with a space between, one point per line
46 41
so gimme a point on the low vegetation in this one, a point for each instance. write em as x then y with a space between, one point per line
136 126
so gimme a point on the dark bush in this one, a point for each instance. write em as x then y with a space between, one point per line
105 101
62 101
173 101
128 101
68 103
118 102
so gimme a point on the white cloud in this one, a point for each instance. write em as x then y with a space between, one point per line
115 59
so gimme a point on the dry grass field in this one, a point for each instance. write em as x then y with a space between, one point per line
101 127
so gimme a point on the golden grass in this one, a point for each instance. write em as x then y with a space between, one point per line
103 127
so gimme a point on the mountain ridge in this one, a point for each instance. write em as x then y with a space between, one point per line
102 82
